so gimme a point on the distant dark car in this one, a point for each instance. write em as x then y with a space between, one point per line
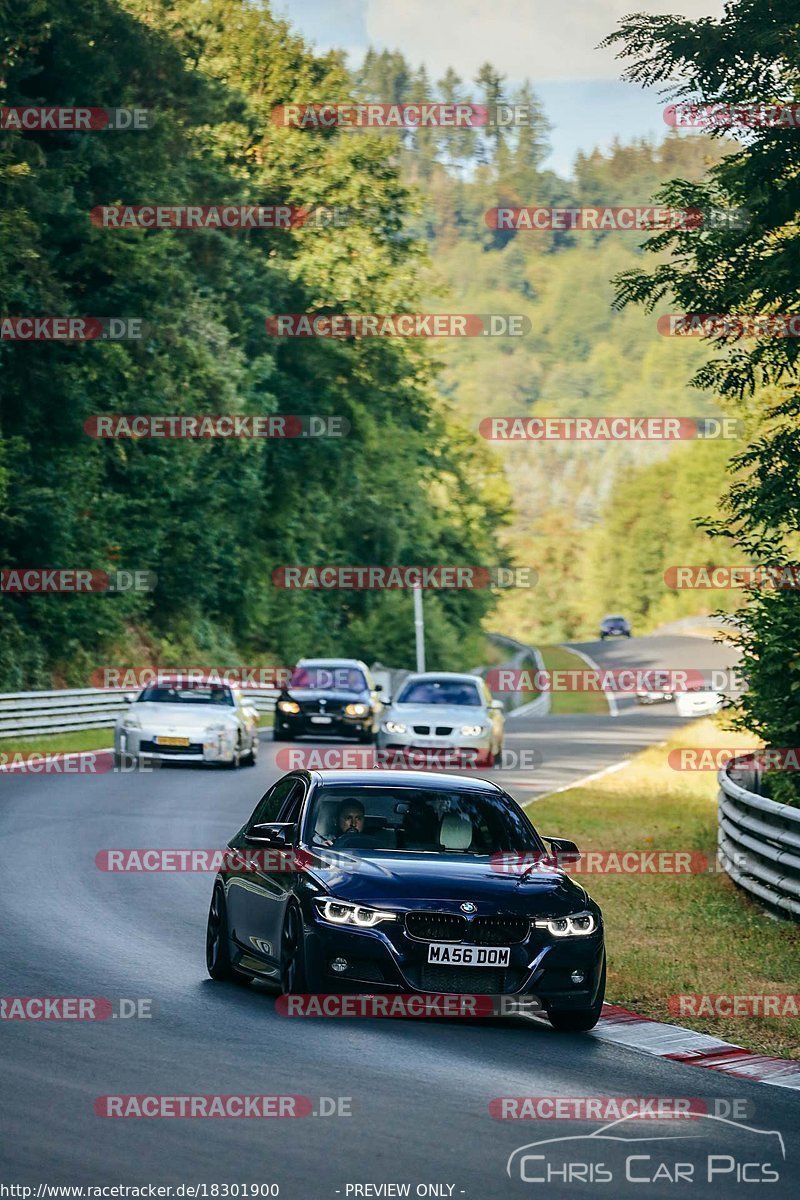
614 626
394 883
329 697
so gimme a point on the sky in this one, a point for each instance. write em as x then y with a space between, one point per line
551 42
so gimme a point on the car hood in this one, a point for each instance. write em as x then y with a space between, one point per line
438 714
419 880
344 694
183 715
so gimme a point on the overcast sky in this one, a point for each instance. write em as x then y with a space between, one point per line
553 42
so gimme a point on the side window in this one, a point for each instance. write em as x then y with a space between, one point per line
272 802
290 810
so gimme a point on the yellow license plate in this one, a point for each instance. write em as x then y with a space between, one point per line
168 741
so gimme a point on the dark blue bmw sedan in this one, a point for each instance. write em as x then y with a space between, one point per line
399 882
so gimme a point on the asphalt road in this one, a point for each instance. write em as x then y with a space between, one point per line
419 1091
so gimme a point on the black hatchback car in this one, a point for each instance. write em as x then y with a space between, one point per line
614 626
329 697
399 882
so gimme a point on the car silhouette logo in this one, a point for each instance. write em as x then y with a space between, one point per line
469 907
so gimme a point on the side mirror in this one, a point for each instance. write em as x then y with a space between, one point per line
564 851
279 836
129 697
497 706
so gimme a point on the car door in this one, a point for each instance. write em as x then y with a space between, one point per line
266 889
240 883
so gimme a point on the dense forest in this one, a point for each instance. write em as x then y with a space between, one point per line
413 481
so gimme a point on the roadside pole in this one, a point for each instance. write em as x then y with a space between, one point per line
419 628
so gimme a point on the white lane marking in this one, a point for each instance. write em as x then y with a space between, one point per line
582 779
611 699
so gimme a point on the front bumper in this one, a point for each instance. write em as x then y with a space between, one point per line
337 725
387 959
453 750
208 748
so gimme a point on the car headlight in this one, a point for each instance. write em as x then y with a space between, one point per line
342 912
356 710
395 727
218 728
129 721
289 706
578 925
471 730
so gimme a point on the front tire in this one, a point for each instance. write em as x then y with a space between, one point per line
579 1020
251 758
292 953
218 950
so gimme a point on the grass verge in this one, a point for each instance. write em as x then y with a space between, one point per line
557 658
673 934
57 743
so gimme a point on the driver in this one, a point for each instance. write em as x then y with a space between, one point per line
351 818
349 822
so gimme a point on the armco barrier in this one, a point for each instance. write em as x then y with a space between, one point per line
25 714
759 841
524 658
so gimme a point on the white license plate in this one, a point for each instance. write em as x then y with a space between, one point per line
320 720
446 954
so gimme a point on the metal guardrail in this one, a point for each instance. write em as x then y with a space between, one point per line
25 714
759 840
523 655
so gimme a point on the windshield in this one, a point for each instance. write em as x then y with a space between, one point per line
432 820
440 691
347 679
187 694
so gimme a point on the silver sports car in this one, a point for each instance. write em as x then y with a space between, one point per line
443 711
188 722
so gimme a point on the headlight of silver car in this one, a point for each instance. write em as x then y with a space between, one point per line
578 925
342 912
471 730
395 727
130 721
